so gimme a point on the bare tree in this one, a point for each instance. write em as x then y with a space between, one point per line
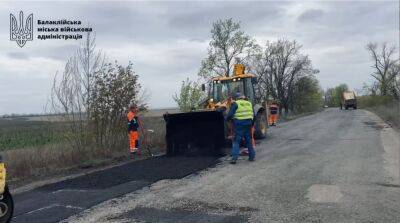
395 72
71 90
385 66
257 64
228 43
282 66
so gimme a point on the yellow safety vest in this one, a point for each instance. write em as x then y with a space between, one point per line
244 110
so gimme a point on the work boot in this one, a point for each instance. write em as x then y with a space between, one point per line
233 161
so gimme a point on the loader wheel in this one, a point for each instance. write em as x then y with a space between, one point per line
6 207
260 126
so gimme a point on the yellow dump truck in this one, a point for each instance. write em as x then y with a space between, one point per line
349 100
6 201
205 131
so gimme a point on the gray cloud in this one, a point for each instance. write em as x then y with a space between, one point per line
18 55
311 15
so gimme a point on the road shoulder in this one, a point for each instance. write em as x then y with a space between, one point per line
390 138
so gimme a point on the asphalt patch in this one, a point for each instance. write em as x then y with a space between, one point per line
143 214
375 125
57 213
58 201
149 170
388 185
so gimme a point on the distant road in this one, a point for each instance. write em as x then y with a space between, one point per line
333 166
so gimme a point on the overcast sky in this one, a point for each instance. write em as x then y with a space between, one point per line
167 40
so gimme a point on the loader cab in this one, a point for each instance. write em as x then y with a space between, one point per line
224 88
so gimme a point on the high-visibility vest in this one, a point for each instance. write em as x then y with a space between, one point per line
244 110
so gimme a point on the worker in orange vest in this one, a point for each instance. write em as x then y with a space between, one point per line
273 114
133 127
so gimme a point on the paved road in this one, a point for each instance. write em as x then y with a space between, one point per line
333 166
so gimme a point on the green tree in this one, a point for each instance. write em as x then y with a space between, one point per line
339 92
228 45
333 96
307 95
190 96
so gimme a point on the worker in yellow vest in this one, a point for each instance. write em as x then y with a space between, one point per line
242 113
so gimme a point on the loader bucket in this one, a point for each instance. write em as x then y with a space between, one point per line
195 133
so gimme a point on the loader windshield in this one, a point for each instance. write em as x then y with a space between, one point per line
222 90
225 89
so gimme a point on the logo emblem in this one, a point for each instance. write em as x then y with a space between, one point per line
21 31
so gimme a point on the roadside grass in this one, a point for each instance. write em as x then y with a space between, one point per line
385 107
155 140
35 150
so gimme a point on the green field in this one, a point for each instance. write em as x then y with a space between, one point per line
18 133
36 131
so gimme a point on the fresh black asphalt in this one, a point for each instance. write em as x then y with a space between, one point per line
58 201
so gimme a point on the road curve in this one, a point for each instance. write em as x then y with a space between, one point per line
333 166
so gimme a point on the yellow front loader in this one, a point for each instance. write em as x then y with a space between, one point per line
6 201
205 132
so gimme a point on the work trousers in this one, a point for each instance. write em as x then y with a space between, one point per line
273 119
133 140
242 131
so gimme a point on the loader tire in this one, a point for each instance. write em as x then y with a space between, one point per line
260 126
6 207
